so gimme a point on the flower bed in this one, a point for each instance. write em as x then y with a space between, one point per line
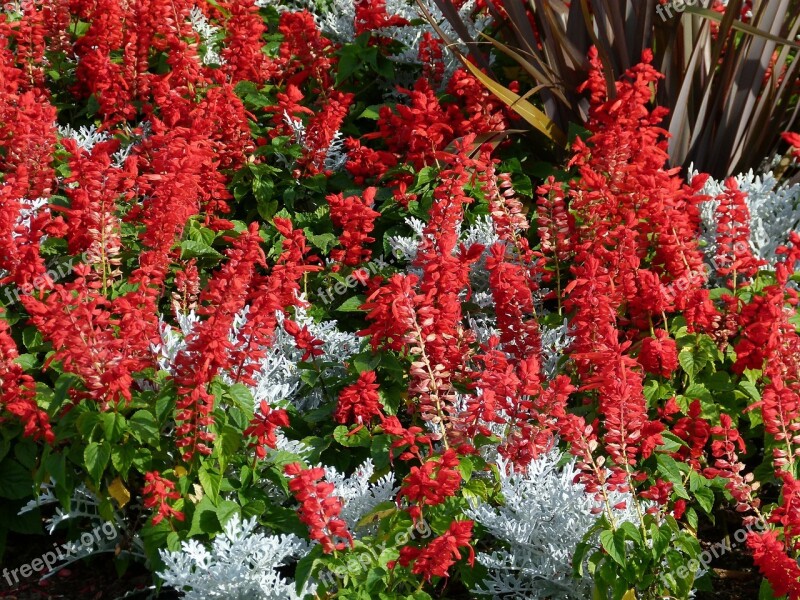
292 310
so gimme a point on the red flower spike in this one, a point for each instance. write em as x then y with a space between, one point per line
727 443
356 217
207 347
18 391
406 437
318 509
304 340
659 355
157 492
771 559
435 559
263 427
435 481
733 233
359 402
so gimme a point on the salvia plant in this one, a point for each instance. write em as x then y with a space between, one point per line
289 310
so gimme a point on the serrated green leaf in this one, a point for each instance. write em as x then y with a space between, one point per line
352 304
196 249
352 440
95 458
226 510
204 518
211 482
16 481
144 427
614 546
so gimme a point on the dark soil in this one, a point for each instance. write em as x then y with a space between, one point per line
734 577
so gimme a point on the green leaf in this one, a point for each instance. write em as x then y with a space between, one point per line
204 518
672 443
375 578
211 483
614 545
323 241
671 471
227 443
343 435
226 510
750 389
242 397
371 112
195 249
352 304
660 537
705 498
113 426
28 362
631 532
154 538
122 458
95 458
698 391
305 567
144 427
16 481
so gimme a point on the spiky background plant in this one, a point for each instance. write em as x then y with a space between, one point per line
730 72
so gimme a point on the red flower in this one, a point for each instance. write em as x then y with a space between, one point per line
406 437
392 313
770 557
793 139
435 481
659 355
435 559
695 431
157 491
321 131
206 351
356 217
727 443
733 233
554 221
263 427
305 52
365 163
242 52
372 15
303 339
359 402
511 285
430 55
419 129
18 391
319 510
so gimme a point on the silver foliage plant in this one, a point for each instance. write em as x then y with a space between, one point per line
242 564
544 517
278 376
359 495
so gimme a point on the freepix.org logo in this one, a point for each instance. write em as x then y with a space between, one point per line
60 553
670 8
